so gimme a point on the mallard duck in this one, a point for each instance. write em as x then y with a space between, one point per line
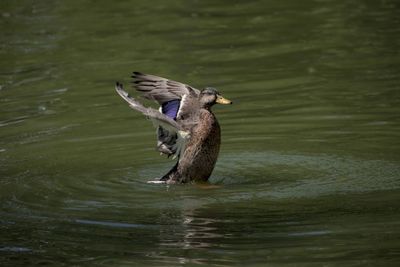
186 127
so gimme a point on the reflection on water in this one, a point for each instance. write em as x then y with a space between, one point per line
309 168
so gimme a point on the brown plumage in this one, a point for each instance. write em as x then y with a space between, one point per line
186 126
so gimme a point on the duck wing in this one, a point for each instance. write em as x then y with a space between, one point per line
178 101
160 89
159 119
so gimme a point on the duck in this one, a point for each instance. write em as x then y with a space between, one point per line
187 129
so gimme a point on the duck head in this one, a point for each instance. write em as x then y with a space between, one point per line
210 96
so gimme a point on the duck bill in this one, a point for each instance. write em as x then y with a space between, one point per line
222 100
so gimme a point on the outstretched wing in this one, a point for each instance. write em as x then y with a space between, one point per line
153 114
161 121
177 100
160 89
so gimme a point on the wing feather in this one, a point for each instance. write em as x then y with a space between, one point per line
151 113
172 136
160 89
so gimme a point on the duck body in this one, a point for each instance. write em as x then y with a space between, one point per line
186 126
201 152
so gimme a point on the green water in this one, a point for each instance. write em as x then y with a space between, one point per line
309 169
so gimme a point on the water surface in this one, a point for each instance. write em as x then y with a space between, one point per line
309 169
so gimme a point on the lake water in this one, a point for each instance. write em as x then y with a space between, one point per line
309 168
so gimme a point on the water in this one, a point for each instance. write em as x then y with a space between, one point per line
309 170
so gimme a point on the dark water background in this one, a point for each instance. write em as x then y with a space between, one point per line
309 170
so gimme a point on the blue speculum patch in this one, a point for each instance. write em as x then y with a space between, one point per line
171 108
